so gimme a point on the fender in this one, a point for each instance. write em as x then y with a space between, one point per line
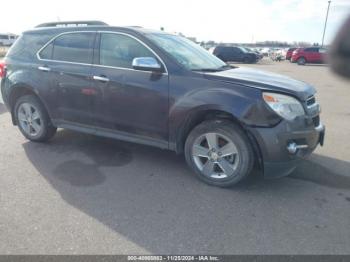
246 108
15 83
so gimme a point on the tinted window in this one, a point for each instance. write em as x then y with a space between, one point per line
119 50
3 37
74 47
46 53
311 49
235 50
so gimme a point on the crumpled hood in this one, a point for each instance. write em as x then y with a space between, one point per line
264 80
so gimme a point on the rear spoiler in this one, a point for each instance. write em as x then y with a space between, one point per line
71 24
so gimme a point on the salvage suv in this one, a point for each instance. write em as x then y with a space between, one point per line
162 90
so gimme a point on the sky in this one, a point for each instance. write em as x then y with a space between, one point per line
237 21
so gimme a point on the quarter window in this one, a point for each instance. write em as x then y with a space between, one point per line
119 50
46 53
74 47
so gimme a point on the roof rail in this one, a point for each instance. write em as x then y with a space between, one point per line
71 24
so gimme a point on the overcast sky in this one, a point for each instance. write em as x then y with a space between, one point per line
219 20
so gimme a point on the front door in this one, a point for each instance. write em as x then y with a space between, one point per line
132 101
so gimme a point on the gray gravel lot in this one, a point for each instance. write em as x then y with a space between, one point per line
81 194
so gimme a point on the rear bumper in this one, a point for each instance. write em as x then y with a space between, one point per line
278 161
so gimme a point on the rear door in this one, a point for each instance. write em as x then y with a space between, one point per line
68 60
236 54
311 54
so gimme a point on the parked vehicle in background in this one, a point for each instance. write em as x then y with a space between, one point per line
163 90
277 54
309 55
253 50
235 54
265 51
290 52
7 39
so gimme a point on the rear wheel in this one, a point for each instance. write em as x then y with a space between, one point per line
33 119
301 61
219 153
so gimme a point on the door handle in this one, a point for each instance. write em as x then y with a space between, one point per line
101 78
44 68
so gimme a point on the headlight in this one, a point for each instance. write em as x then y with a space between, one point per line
285 106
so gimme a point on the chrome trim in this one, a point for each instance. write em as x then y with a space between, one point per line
101 78
44 68
293 147
319 128
97 65
146 62
310 98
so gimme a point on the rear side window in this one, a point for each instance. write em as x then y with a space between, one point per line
235 50
73 47
311 49
119 50
46 53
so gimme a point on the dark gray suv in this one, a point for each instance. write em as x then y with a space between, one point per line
163 90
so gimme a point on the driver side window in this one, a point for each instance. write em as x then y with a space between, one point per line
119 50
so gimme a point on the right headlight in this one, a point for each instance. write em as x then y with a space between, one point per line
286 106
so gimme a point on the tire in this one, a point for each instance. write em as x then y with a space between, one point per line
33 120
301 61
209 164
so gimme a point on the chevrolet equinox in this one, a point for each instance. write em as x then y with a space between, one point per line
162 90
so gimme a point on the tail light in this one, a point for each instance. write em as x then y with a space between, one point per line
2 69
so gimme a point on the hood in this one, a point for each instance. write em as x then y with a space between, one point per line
264 80
251 53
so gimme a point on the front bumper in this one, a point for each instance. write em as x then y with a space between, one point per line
273 142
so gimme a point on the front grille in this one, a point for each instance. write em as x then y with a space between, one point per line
310 101
316 121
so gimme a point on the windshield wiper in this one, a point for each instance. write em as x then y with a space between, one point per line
226 67
206 70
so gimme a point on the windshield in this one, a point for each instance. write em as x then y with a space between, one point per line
188 53
244 49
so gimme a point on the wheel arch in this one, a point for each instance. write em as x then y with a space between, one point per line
18 91
196 117
300 57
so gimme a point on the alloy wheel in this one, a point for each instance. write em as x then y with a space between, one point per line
29 119
215 155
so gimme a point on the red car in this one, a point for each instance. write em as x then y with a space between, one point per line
289 53
309 55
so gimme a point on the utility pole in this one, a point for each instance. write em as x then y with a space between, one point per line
325 24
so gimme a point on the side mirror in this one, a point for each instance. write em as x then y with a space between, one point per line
339 55
146 64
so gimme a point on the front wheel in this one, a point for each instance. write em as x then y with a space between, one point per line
301 61
219 152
